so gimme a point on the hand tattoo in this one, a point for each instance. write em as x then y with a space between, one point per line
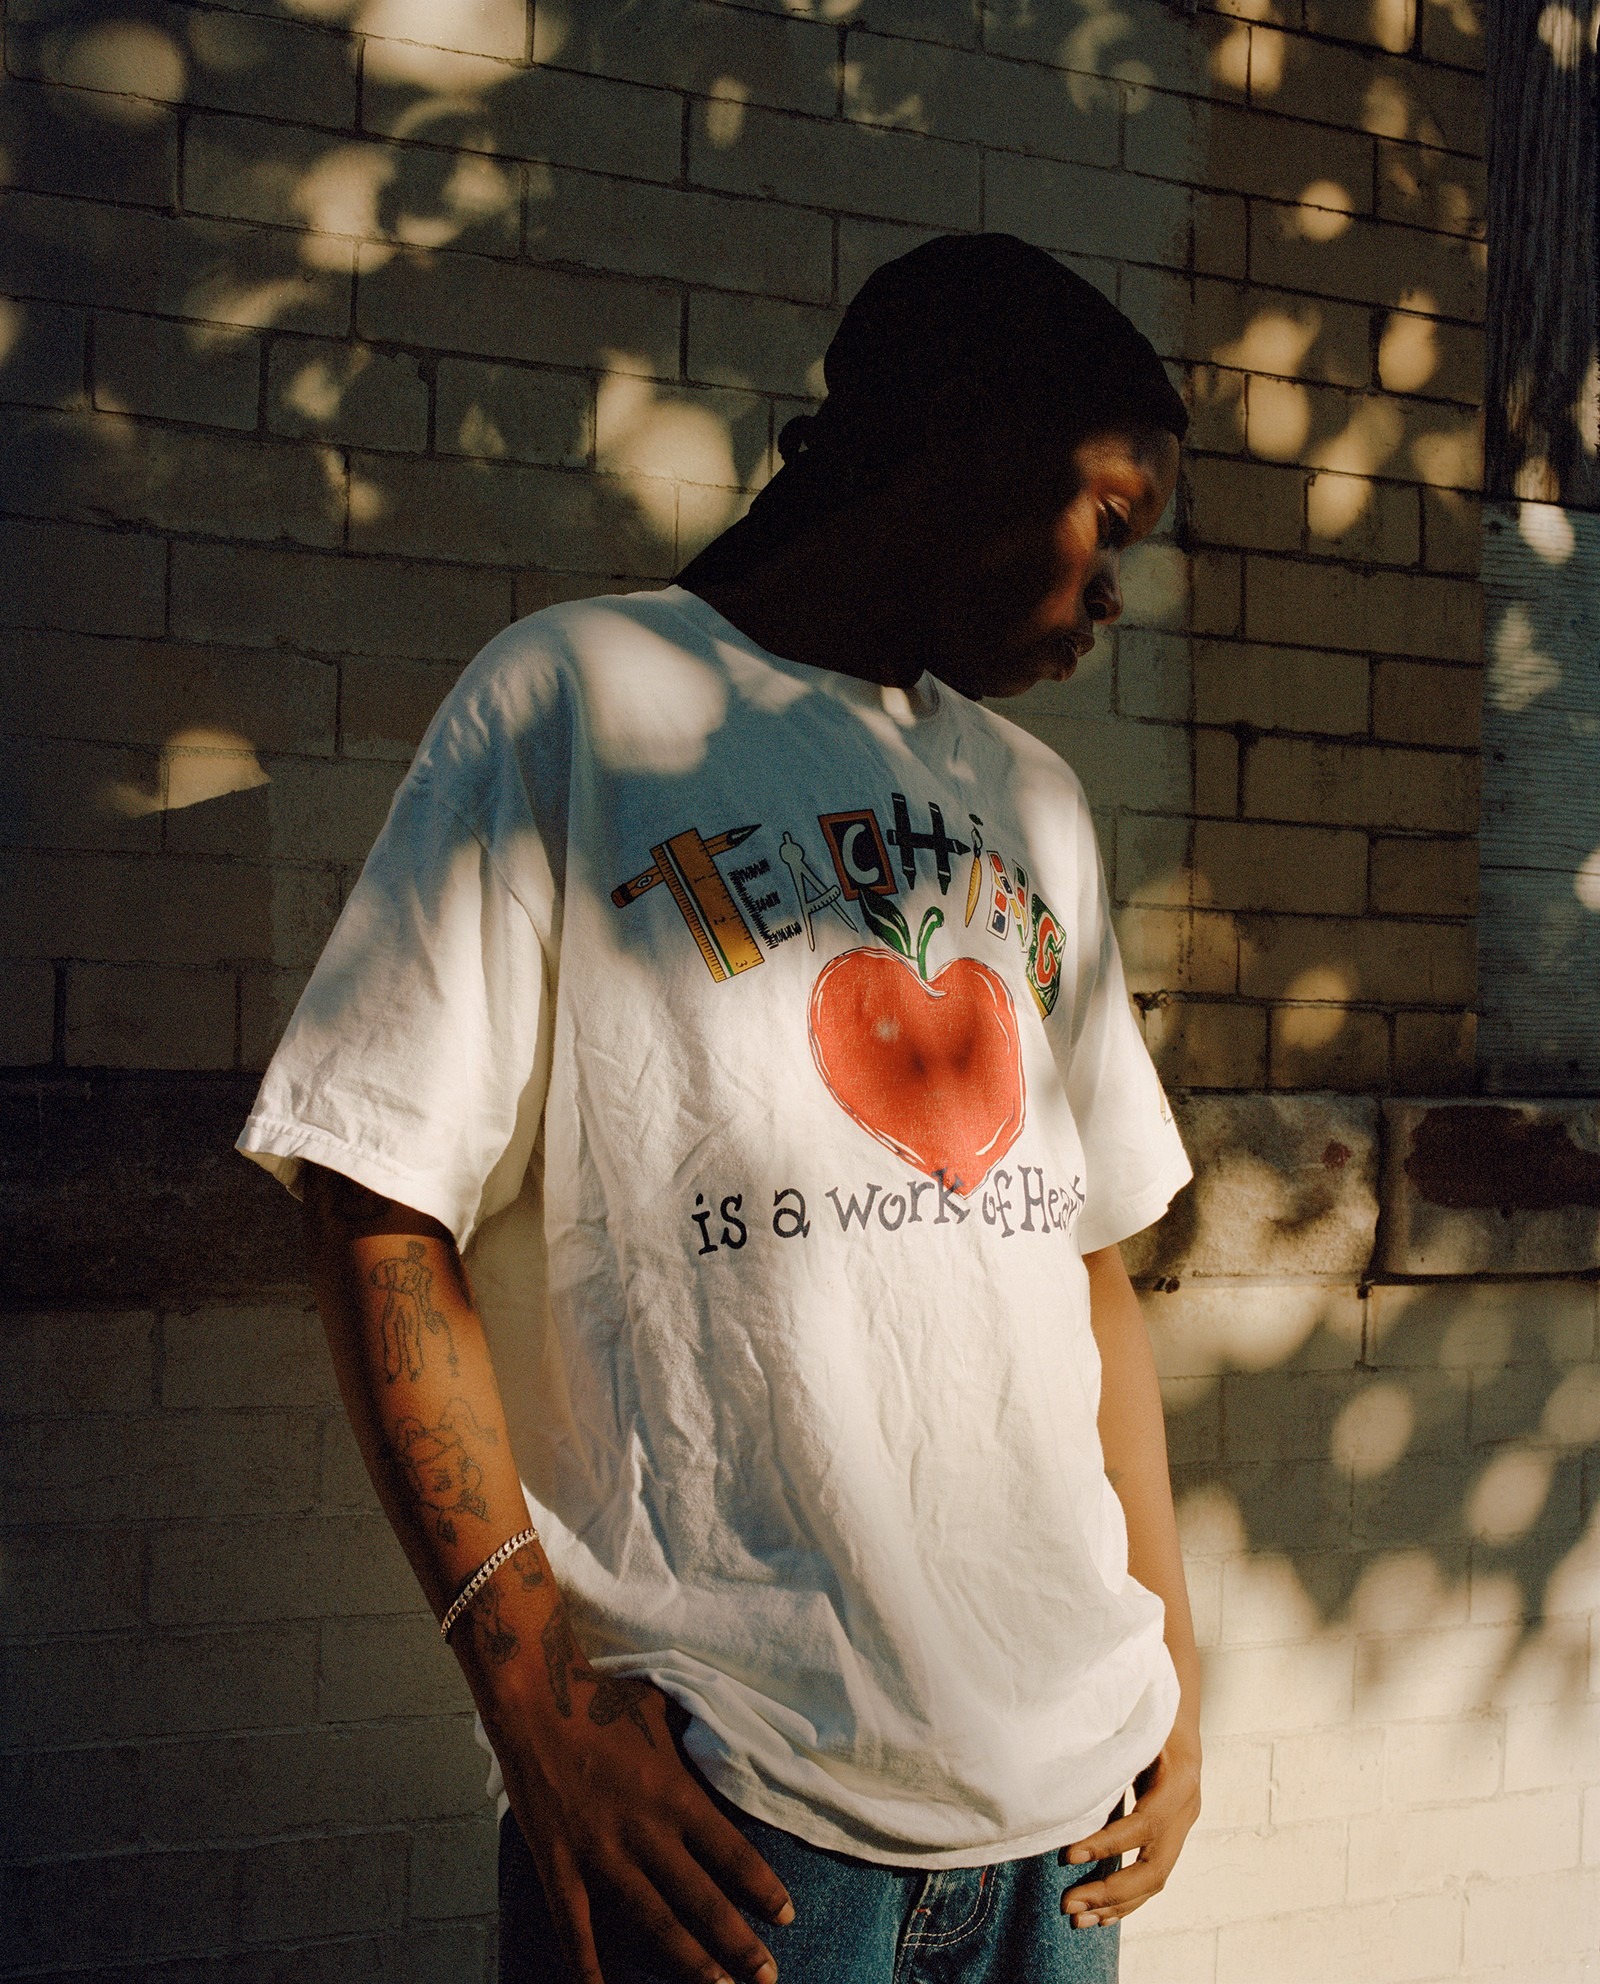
613 1699
437 1466
408 1310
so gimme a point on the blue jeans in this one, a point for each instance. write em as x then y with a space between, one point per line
856 1921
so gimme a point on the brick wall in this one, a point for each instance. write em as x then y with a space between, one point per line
331 350
337 333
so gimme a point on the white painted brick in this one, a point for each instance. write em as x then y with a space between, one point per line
1591 1827
347 392
952 94
863 244
118 580
769 58
1261 1690
1265 1602
546 115
91 467
260 598
1327 1774
1483 1326
1183 1956
242 169
751 341
1236 1784
1140 40
1084 211
1444 1763
241 62
1500 1839
212 270
1298 1867
43 354
491 309
1378 1942
513 413
1551 1743
1540 1917
219 1357
849 168
474 27
1121 763
176 371
1202 1328
687 434
1203 1577
680 235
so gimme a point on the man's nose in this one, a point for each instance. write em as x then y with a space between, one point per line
1104 593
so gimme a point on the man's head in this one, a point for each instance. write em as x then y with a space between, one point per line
995 433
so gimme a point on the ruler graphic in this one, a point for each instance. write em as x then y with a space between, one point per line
686 865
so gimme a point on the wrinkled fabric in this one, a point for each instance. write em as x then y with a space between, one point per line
760 1035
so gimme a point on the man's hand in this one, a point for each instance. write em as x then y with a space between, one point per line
1167 1803
614 1820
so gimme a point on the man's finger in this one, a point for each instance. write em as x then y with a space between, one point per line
1117 1894
569 1913
734 1863
654 1917
697 1901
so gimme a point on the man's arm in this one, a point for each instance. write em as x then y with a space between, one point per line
1133 1437
594 1779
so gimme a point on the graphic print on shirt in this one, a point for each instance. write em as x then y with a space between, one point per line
687 865
931 1067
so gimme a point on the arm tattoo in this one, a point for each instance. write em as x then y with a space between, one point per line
408 1310
437 1466
560 1657
498 1640
613 1699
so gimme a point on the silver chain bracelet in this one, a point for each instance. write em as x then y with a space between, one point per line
481 1576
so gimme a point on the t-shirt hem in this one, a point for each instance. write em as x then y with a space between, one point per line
793 1815
282 1148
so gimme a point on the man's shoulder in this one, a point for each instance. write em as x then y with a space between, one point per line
1027 751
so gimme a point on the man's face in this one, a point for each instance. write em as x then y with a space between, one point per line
1039 572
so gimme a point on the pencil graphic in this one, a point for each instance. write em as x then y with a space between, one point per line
630 891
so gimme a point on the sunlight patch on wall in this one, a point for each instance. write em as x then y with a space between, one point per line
1277 418
1272 341
197 764
1547 530
725 111
652 443
1324 211
1373 1430
1508 1496
1408 349
1520 670
1586 883
130 59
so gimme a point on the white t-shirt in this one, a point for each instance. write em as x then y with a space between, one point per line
760 1035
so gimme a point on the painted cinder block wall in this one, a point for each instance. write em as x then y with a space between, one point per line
340 332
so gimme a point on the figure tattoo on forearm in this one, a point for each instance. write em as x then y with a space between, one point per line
613 1699
437 1465
498 1640
408 1310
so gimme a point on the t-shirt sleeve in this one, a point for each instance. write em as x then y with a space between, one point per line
417 1058
1134 1157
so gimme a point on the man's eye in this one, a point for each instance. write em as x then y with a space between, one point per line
1113 527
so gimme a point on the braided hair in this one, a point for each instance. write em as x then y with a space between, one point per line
983 310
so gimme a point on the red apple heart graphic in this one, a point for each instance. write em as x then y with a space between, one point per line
930 1067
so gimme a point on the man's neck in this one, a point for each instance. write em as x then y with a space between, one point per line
836 598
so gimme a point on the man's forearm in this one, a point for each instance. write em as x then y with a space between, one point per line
1133 1439
419 1388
